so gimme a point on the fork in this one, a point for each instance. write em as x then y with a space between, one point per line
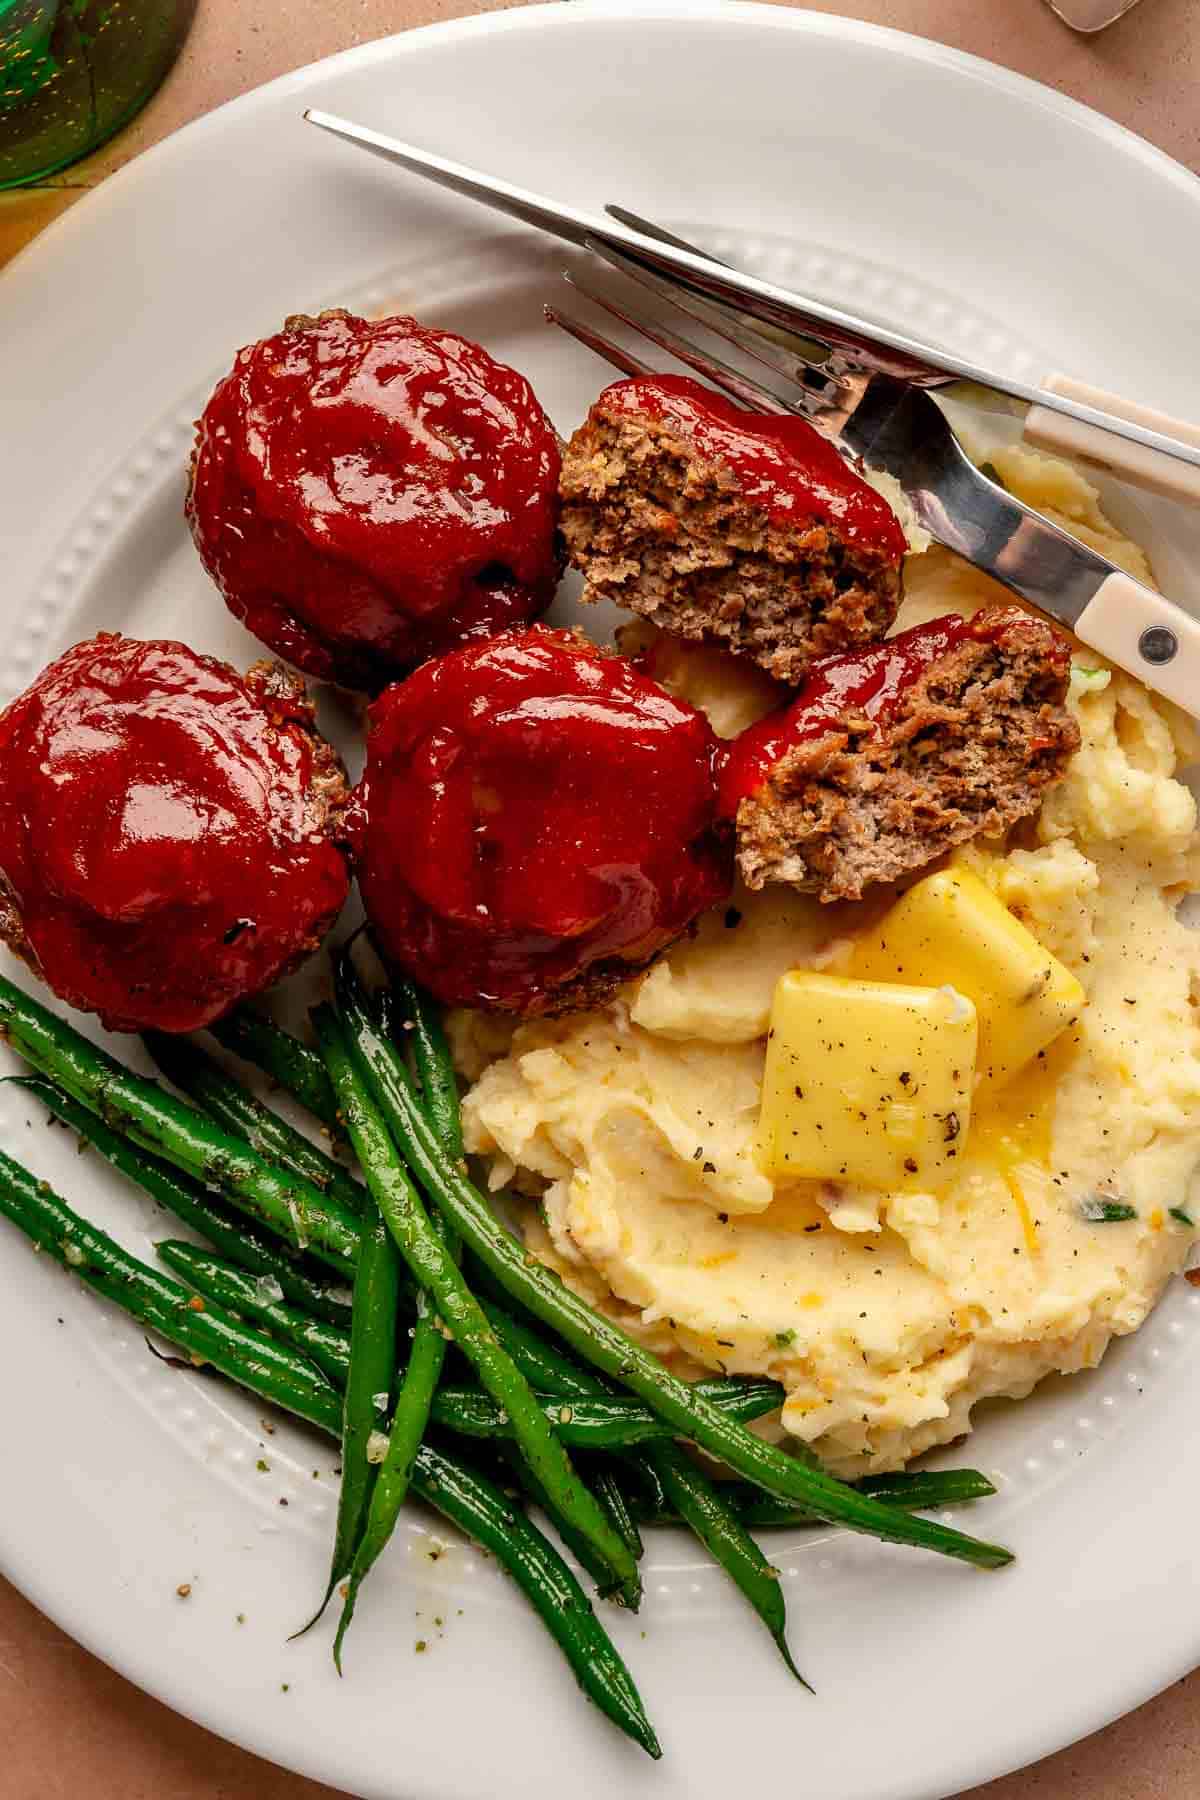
892 425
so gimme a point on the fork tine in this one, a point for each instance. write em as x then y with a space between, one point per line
784 353
592 340
743 388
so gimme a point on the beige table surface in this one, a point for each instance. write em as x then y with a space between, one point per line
70 1728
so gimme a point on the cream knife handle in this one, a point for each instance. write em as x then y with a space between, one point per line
1143 468
1147 635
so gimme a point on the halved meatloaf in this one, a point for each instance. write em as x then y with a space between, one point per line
741 529
888 758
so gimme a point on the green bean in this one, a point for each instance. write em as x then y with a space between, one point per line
256 1297
699 1503
608 1422
435 1270
176 1131
604 1345
545 1368
923 1488
648 1497
216 1092
369 1381
408 1012
159 1303
395 1472
427 1344
236 1239
272 1372
291 1065
581 1548
609 1490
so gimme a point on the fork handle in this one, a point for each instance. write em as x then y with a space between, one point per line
1147 635
1143 468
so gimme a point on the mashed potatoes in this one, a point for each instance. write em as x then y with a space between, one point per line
886 1316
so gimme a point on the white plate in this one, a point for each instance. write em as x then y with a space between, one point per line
884 171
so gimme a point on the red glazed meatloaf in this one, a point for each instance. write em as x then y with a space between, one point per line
888 758
537 821
171 832
735 528
370 492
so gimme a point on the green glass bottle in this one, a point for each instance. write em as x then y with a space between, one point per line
73 71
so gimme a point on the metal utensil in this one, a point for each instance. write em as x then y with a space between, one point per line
1047 427
846 342
895 426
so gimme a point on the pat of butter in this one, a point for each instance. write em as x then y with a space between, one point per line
951 927
866 1081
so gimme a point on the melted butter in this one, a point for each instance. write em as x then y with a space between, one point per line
1012 1132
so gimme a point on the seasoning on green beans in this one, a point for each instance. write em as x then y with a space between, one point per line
435 1270
258 1298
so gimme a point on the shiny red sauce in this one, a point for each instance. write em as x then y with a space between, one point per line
531 809
869 684
367 493
780 462
163 841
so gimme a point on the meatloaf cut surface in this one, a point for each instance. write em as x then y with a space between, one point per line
888 759
741 529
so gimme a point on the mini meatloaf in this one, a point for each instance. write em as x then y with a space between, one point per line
366 493
888 758
741 529
537 821
170 831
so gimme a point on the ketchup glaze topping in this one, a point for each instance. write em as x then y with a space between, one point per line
866 684
165 843
366 493
780 462
534 815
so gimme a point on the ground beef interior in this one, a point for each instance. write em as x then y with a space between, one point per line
683 539
975 742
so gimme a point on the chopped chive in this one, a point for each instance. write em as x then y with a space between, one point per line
1098 1211
1177 1212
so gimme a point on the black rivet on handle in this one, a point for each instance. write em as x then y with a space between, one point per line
1158 644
